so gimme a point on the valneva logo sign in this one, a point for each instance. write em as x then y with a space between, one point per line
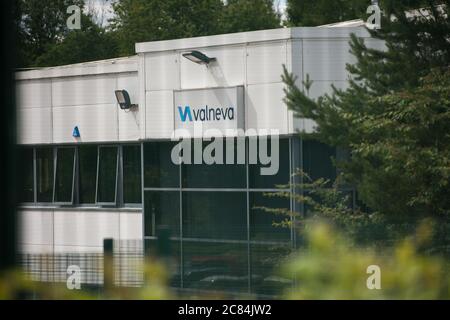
215 108
216 116
205 114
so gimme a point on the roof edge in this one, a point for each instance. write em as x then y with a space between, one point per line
251 37
115 65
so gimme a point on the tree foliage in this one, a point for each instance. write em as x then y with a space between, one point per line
394 117
151 20
40 25
319 12
249 15
43 38
88 44
332 267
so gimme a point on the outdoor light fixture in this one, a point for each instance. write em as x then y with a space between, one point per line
198 57
123 99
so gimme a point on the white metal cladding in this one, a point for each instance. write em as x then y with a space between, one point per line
36 227
35 93
80 230
34 125
265 108
253 60
52 101
159 114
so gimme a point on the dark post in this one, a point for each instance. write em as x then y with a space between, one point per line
108 265
163 242
8 140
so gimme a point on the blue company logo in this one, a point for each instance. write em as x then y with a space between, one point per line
205 114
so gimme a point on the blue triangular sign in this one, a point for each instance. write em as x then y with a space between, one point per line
76 132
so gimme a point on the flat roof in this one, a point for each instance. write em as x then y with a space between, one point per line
130 64
322 32
116 65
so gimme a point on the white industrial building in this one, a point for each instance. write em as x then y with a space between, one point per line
124 187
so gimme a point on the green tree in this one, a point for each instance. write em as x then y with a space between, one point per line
88 44
41 24
249 15
319 12
394 117
43 38
332 267
151 20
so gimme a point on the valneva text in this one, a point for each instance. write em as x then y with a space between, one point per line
205 113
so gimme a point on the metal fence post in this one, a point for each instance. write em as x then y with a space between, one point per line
163 242
108 264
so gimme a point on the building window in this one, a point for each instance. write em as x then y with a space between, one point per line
170 251
215 215
87 177
107 175
162 209
44 174
258 181
132 174
159 170
225 175
26 173
317 160
64 182
266 225
215 266
266 260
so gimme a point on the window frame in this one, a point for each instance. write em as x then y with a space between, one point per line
37 202
33 160
78 203
74 177
122 177
115 202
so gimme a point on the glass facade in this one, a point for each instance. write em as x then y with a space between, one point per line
317 160
217 218
107 174
64 182
159 171
84 175
87 178
131 174
228 228
44 174
26 158
162 209
225 175
258 181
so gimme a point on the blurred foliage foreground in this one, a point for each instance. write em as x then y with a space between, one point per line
332 267
17 285
329 266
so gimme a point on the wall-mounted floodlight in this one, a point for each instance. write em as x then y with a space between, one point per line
123 99
198 57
